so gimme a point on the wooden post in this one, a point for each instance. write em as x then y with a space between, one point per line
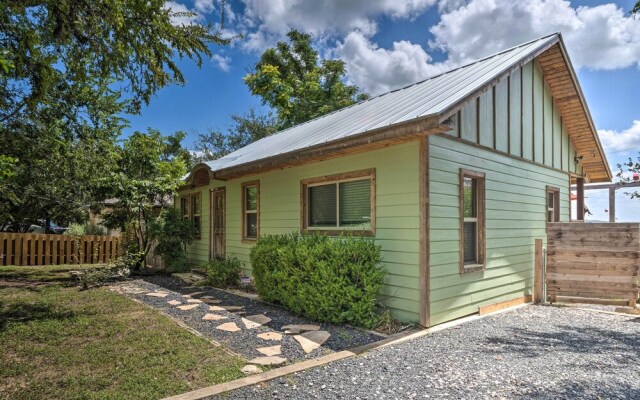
580 211
612 205
538 277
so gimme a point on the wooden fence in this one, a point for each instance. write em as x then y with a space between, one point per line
593 263
41 249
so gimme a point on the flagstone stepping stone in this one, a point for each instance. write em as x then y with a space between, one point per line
213 317
229 327
232 308
174 302
194 301
157 294
309 341
210 301
295 329
254 321
270 360
271 350
216 308
270 336
187 307
207 297
195 294
251 369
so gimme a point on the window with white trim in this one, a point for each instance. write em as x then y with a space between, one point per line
250 210
472 224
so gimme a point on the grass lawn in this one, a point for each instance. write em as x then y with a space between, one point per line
57 342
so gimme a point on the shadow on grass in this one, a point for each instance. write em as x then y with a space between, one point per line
23 312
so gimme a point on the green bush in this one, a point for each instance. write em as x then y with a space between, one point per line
173 233
86 229
328 279
224 272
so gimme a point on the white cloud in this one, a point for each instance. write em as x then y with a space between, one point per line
181 8
376 70
618 141
267 21
600 37
204 6
222 62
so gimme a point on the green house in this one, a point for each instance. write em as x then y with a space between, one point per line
454 176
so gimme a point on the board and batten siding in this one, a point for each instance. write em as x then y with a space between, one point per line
515 216
397 228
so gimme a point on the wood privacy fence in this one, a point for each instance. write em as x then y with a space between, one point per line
41 249
593 263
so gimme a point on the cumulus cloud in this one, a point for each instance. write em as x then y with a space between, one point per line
620 141
600 37
204 6
268 21
377 70
222 62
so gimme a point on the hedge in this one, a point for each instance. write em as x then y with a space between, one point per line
327 279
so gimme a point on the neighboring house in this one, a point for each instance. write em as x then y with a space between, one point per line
454 177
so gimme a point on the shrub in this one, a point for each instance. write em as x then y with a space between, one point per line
328 279
224 272
86 229
173 234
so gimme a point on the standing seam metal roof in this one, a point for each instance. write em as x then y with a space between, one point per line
426 98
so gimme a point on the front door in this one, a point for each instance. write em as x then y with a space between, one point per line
218 202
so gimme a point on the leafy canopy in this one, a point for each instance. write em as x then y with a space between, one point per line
291 80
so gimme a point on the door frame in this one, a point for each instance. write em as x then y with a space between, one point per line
220 191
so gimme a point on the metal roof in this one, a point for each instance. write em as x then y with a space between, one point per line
430 97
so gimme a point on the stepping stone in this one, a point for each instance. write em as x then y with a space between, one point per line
207 297
194 294
251 369
260 319
210 301
216 308
271 360
194 301
174 302
232 308
270 336
239 312
213 317
309 341
229 327
295 329
187 307
270 351
157 294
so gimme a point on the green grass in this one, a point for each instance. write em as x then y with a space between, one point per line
59 342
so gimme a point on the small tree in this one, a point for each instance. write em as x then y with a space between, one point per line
173 233
626 169
147 174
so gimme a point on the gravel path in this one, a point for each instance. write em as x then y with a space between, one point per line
244 341
536 352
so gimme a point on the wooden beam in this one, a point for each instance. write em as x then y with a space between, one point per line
580 187
538 273
612 205
618 185
490 308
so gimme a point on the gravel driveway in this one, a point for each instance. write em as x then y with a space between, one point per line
539 352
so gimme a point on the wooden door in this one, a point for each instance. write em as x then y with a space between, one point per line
218 205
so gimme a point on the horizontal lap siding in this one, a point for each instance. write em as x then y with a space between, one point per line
515 216
397 228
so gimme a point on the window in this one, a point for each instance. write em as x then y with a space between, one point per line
196 207
553 204
250 210
339 202
472 229
191 208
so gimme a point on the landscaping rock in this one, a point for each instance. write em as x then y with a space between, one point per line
251 369
213 317
271 350
254 321
187 307
229 327
271 360
174 302
270 336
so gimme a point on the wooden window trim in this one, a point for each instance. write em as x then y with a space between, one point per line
342 177
190 214
556 203
244 211
481 237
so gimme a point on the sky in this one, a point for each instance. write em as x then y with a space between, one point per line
387 44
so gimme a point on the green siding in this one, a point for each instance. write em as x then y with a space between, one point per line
548 126
515 216
469 122
502 115
527 111
538 114
515 113
397 229
557 139
486 119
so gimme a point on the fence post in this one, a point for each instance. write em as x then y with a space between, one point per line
538 278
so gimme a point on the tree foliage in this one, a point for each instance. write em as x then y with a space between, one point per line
636 9
147 175
291 80
625 174
244 129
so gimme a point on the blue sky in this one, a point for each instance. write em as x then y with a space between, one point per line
390 43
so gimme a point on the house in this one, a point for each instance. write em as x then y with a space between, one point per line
454 177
